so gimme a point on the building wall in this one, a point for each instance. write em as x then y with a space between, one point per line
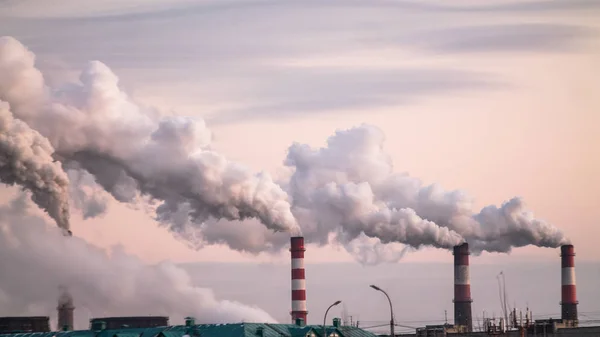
133 322
29 324
581 331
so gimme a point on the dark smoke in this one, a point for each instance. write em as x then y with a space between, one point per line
65 299
26 160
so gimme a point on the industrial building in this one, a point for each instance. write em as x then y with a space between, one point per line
139 322
30 324
567 325
158 326
190 329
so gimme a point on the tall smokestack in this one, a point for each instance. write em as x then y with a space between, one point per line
462 287
298 281
569 294
65 311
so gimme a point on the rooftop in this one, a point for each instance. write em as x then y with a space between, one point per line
212 330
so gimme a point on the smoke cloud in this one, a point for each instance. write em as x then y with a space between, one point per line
85 194
39 258
350 186
26 160
65 299
345 193
131 150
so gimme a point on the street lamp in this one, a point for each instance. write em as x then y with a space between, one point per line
325 317
391 309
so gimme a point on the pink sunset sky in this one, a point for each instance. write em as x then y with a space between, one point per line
496 98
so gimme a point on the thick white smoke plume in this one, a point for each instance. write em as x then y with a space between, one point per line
131 150
36 258
346 192
351 184
26 160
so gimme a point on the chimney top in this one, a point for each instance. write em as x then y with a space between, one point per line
462 249
567 250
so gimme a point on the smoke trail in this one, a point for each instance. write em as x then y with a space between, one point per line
341 192
351 209
131 150
85 194
350 185
39 259
26 160
65 298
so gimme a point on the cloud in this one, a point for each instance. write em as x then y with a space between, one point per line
37 259
531 6
526 37
200 47
197 47
142 9
293 92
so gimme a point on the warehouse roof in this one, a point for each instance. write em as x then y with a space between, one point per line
212 330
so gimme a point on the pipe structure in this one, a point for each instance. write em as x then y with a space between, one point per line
65 316
462 287
298 279
569 293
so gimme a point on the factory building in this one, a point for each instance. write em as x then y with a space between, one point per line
190 329
113 323
567 325
158 326
25 324
441 330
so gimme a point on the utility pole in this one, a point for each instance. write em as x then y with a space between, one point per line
392 333
446 316
325 317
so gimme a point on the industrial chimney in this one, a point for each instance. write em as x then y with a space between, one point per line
65 310
462 287
298 281
569 294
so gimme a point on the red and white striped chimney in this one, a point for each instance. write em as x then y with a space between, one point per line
462 287
298 279
569 294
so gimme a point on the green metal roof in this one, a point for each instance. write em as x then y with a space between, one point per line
210 330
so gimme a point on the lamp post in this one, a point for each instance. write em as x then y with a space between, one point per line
325 317
391 309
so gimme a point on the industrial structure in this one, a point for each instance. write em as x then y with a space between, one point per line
516 325
65 310
25 324
191 329
158 326
138 322
298 279
463 319
569 293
